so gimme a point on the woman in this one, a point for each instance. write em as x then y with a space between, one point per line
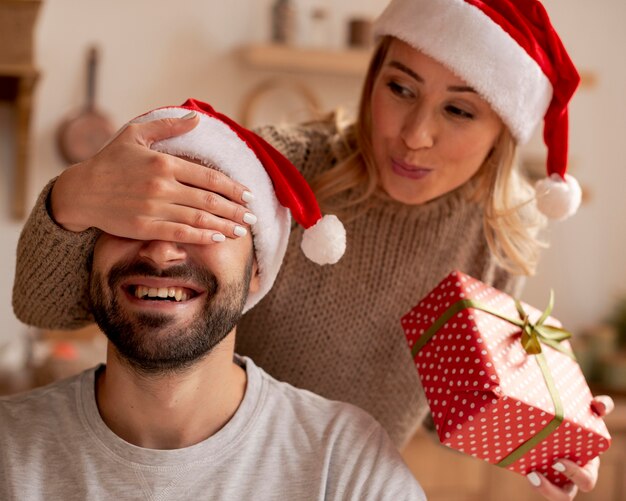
425 182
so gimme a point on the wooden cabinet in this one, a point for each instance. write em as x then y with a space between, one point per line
447 475
18 77
17 85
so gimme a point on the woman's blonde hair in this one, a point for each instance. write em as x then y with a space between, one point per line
510 222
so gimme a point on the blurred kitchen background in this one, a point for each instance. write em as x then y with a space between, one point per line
277 60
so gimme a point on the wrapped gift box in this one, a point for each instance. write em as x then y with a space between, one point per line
488 396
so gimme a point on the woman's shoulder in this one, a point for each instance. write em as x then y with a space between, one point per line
322 141
320 129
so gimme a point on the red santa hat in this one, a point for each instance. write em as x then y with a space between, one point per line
278 187
508 51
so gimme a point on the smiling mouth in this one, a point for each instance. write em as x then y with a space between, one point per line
175 294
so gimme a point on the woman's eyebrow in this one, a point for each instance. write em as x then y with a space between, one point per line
399 66
405 69
461 88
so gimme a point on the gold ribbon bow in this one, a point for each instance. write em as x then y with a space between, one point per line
533 334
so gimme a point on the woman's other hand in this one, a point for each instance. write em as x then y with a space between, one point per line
581 478
130 191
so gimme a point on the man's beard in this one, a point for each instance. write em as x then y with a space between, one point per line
144 341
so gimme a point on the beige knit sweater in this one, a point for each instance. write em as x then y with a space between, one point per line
334 330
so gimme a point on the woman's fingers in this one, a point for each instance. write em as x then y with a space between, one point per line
203 204
182 233
550 491
580 478
187 193
219 219
170 213
187 172
584 477
212 180
602 405
156 130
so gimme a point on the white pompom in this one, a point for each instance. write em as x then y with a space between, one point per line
558 199
325 241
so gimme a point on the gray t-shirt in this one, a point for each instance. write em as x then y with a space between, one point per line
282 444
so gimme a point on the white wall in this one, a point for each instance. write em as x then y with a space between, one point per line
156 53
585 263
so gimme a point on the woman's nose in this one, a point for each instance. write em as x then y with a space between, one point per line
419 129
163 253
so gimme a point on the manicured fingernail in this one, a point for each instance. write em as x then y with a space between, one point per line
559 467
189 115
246 196
218 237
598 407
534 479
240 231
249 218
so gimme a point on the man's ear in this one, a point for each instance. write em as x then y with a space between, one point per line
255 279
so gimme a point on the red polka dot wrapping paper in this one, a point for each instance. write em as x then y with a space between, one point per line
487 395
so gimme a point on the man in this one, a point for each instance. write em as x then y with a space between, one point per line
174 413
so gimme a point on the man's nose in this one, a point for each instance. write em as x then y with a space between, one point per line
163 253
419 129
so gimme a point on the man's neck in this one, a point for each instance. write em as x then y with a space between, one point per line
175 410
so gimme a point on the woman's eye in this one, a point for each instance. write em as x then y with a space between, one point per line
459 112
399 90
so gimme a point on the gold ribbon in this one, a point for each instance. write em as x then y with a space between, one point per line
533 335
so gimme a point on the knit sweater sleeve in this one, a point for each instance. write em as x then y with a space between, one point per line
52 271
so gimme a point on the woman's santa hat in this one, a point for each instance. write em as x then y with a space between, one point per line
278 188
508 51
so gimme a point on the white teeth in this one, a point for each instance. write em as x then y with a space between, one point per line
177 293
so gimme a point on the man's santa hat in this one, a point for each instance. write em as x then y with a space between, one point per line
279 189
508 51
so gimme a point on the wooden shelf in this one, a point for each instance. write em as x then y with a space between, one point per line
18 70
346 62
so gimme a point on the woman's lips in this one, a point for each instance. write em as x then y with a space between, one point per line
408 170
